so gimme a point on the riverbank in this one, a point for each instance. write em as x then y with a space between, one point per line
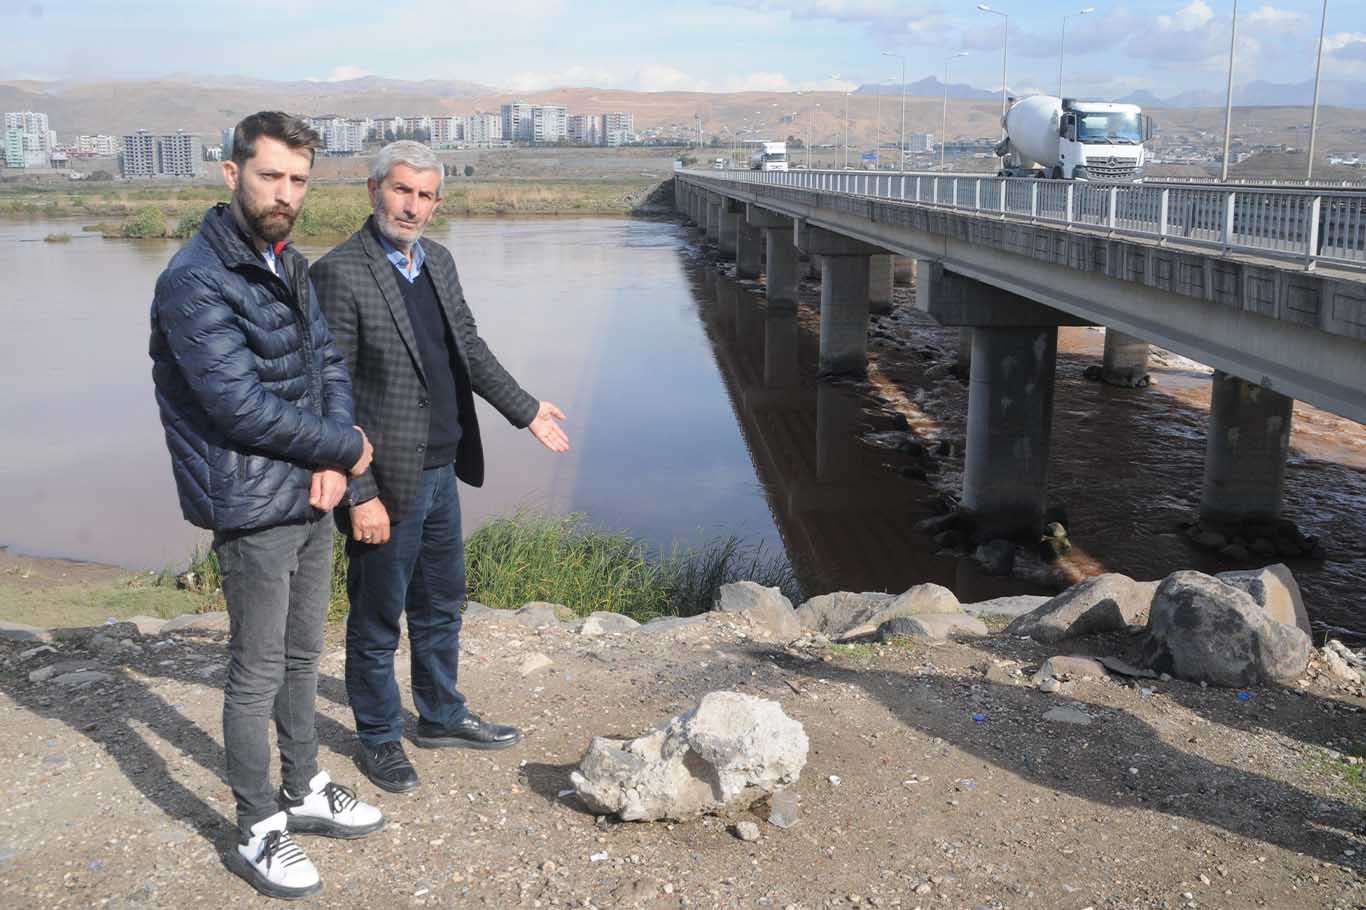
141 211
937 776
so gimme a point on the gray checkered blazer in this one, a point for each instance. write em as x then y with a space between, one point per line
358 291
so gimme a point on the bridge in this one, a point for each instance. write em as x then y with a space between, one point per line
1266 285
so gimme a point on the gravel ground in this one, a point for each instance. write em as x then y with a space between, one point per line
1177 797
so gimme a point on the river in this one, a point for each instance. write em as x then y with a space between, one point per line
694 413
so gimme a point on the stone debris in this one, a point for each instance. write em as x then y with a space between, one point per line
844 615
1124 668
17 631
1013 607
217 621
81 678
932 627
1065 668
764 613
533 663
603 623
1338 667
1205 630
1067 715
747 831
1106 603
728 752
539 614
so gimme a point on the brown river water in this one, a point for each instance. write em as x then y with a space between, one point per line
694 413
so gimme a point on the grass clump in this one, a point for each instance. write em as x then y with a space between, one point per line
57 238
562 559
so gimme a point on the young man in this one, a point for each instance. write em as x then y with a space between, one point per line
395 304
259 420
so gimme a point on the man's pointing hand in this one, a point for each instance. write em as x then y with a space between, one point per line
547 430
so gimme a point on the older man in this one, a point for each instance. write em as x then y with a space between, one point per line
394 303
257 409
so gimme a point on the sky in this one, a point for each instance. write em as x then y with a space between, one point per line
1163 46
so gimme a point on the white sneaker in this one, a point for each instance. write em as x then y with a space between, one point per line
272 862
330 810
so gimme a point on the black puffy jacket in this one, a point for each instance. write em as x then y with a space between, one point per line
253 392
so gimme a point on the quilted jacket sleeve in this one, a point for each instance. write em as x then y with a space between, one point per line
211 351
338 304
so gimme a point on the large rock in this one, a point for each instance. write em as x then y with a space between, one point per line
764 612
725 754
604 623
17 631
1275 590
1106 603
1013 606
837 613
216 621
844 615
539 614
1204 630
932 627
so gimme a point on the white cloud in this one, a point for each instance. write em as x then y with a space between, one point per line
1194 15
1271 17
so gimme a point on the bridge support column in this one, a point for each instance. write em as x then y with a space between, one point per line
1010 428
881 276
680 197
1013 343
844 315
964 362
904 270
713 217
749 250
1126 358
780 253
1249 436
730 227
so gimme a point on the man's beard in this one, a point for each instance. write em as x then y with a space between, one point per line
272 224
396 234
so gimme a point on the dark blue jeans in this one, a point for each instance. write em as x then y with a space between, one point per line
420 571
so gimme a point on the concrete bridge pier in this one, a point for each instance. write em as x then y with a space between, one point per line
1126 359
844 297
780 253
1014 344
881 278
1249 437
749 249
731 214
713 217
964 362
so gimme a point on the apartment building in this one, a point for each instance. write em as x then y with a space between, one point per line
148 154
549 124
517 122
28 140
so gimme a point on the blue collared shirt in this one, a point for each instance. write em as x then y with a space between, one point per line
410 267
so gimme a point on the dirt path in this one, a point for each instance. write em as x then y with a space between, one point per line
1184 797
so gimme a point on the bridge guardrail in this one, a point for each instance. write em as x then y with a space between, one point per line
1304 225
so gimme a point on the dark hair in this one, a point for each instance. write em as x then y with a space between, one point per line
292 131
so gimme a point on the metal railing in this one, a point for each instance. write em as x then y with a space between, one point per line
1310 226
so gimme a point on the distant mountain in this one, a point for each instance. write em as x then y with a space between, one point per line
1261 94
931 87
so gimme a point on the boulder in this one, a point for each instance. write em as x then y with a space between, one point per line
1204 630
725 754
477 612
1013 606
764 612
922 599
147 626
605 623
1275 590
538 614
1106 603
1339 669
1070 668
932 626
834 614
677 625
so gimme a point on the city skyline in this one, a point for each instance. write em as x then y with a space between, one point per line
1164 46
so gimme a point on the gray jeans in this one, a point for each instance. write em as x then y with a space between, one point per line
276 582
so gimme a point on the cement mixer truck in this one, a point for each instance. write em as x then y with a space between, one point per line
1067 139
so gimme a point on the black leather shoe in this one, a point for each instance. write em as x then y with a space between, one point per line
387 767
470 733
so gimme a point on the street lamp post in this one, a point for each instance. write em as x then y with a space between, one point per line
1062 37
944 126
1314 117
901 150
1228 104
1005 37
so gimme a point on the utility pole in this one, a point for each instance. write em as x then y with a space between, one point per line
1228 104
1314 118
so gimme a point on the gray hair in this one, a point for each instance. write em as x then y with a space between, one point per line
405 151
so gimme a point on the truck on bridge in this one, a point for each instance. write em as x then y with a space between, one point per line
1067 139
768 156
